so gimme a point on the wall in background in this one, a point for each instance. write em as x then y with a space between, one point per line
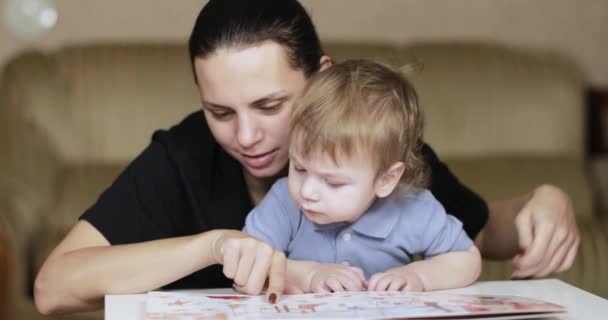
578 28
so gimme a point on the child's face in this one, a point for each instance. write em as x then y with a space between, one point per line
327 192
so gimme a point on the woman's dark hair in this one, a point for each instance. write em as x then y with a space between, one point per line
242 23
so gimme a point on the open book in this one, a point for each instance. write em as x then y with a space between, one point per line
343 305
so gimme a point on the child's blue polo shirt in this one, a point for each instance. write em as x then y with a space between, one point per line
388 235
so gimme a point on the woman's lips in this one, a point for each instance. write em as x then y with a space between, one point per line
259 161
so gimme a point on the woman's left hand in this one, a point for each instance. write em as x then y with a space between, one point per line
547 232
250 262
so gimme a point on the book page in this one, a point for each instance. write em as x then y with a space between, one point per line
341 305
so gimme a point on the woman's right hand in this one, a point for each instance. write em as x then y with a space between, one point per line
250 262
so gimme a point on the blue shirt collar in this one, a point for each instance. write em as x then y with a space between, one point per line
377 222
380 219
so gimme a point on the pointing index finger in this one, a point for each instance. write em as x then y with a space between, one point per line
276 277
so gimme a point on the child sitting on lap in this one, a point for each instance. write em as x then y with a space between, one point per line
354 199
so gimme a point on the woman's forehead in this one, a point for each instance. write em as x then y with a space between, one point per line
247 74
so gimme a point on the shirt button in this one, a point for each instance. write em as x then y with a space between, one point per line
346 263
346 236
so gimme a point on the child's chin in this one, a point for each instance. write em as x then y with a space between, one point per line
316 217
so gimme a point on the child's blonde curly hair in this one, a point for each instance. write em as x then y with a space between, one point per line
362 106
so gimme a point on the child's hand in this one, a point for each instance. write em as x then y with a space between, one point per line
396 279
336 277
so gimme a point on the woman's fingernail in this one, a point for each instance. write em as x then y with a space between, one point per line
272 298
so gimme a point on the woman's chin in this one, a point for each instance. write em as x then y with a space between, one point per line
266 172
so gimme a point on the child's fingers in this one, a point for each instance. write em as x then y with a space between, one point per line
383 283
412 286
358 272
334 285
373 281
320 287
360 275
292 289
350 282
396 284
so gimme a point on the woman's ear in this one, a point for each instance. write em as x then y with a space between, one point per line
388 181
325 63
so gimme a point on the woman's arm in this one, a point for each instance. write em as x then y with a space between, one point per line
84 267
538 229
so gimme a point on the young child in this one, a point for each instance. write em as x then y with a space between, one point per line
354 199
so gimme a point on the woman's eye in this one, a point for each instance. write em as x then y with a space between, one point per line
271 108
298 168
221 115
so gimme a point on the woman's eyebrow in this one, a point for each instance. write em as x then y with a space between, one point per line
282 94
214 105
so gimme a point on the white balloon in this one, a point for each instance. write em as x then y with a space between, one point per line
30 19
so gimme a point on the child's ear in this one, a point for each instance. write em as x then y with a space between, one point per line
388 181
325 63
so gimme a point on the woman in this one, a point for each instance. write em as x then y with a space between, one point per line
170 211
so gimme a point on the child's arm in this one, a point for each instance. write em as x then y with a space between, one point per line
274 220
444 271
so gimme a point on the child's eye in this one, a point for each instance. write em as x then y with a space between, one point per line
298 168
334 184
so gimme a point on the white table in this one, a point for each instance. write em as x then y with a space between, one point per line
580 304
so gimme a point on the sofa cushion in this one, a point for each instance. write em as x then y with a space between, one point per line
490 100
503 177
77 188
102 103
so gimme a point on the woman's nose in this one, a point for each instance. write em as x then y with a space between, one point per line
248 131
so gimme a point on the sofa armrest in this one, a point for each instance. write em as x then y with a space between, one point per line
497 178
5 253
29 164
589 269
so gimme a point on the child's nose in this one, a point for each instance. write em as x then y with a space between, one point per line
309 190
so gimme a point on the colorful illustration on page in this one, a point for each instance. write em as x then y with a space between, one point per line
344 305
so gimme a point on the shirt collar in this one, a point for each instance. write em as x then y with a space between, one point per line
380 219
330 226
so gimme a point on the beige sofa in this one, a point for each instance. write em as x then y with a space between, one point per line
504 119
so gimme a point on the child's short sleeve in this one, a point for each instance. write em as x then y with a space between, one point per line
275 219
442 233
